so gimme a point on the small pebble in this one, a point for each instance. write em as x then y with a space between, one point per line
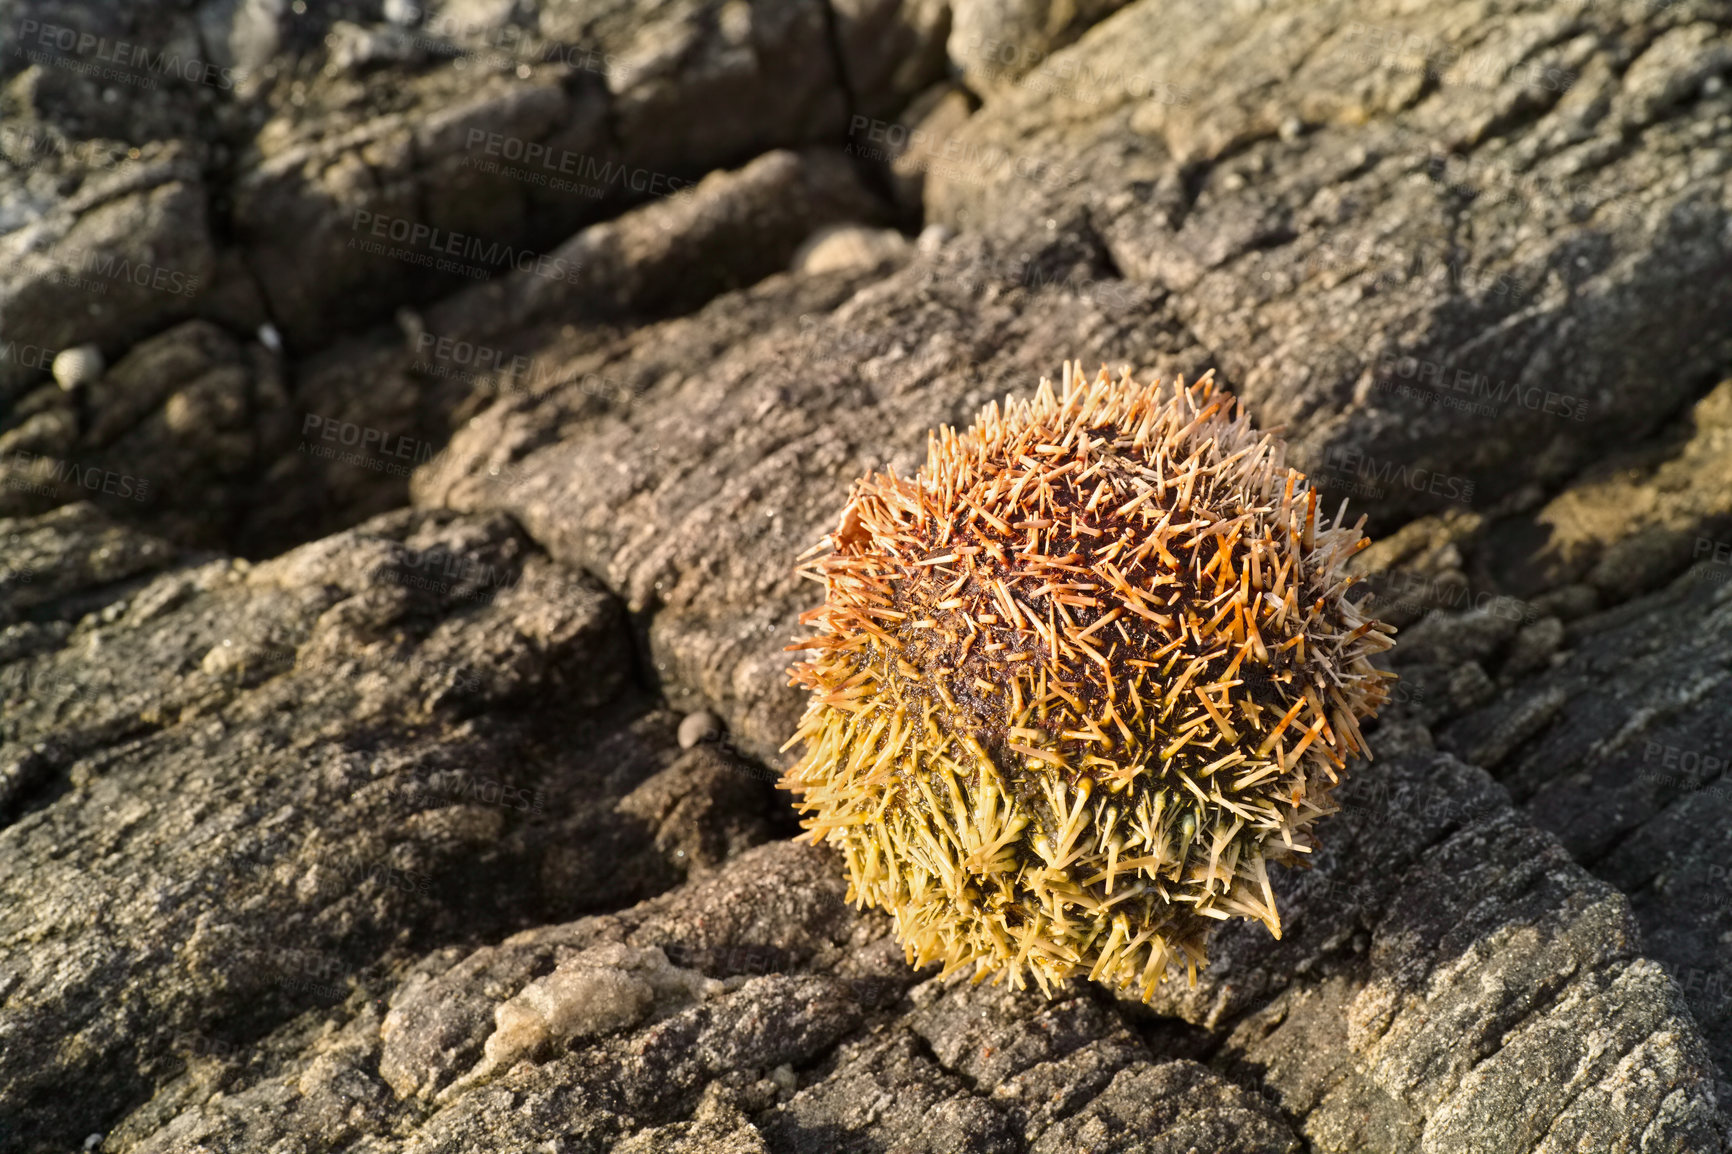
846 246
270 337
78 366
699 726
933 237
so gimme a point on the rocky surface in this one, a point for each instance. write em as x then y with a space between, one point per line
349 617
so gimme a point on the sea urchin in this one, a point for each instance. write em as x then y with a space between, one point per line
1078 680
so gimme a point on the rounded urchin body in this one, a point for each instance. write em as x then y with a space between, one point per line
1079 680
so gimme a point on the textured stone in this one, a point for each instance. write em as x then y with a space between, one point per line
280 840
1372 216
238 792
115 262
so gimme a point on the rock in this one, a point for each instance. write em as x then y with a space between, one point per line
1634 521
128 254
1340 1025
521 133
170 437
424 643
923 137
731 230
933 237
1621 749
1534 647
402 390
1330 275
330 823
599 991
849 246
343 212
997 43
1174 1105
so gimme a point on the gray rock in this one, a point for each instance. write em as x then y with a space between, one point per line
1335 1036
1622 750
170 438
126 255
336 207
287 860
849 246
1461 222
520 132
405 390
997 43
393 837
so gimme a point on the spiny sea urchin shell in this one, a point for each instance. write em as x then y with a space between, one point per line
1078 680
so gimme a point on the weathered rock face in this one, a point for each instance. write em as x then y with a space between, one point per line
388 837
361 757
1374 220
